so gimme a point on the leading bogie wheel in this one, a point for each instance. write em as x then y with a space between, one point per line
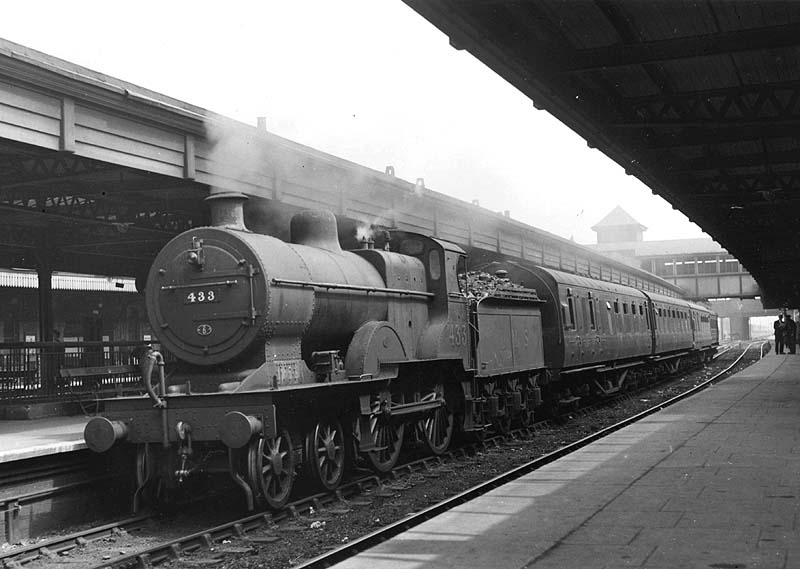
325 454
271 468
146 482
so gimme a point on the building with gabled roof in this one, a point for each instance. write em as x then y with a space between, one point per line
618 226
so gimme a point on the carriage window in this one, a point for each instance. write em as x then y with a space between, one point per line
591 312
608 305
647 318
434 264
624 307
571 304
568 314
641 310
616 306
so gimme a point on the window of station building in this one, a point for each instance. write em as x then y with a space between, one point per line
707 264
729 265
685 267
664 268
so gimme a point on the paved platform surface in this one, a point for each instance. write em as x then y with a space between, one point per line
39 437
712 482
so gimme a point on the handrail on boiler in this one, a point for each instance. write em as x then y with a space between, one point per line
367 289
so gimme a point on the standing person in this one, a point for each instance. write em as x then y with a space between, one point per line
789 331
779 325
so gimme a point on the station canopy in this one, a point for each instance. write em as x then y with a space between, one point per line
700 100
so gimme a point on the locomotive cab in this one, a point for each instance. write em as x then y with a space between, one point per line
447 333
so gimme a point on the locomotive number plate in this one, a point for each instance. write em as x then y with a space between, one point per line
202 296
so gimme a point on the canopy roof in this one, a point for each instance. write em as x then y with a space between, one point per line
700 100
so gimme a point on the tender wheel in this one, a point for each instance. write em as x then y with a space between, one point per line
525 417
387 434
437 427
502 422
325 449
271 468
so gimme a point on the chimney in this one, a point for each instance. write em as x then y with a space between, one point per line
227 209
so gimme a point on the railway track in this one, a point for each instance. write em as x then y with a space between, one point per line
257 530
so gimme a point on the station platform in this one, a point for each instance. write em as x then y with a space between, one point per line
711 482
40 437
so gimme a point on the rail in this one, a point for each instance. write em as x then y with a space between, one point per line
55 371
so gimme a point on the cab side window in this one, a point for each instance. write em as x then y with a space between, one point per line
461 273
435 264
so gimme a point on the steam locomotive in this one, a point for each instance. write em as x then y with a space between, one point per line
299 357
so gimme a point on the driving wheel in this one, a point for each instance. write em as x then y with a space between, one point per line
325 452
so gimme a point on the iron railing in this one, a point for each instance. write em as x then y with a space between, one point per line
48 371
